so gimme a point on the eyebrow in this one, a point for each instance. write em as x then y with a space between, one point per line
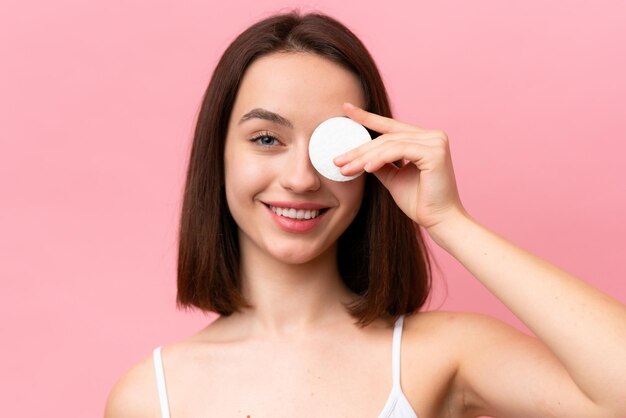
260 113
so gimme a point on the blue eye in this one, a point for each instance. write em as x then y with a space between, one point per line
265 140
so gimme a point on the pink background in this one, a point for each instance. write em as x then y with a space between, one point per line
97 105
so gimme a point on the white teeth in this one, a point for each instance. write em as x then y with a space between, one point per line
295 213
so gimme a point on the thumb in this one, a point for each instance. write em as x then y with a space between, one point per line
386 174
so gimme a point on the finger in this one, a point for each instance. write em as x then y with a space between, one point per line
376 122
424 156
388 172
348 156
363 148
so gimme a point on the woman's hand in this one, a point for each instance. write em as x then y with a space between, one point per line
424 187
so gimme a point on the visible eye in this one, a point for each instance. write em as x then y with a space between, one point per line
265 139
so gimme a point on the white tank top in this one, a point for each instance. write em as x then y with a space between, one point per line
397 405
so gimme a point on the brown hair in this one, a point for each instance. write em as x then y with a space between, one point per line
381 255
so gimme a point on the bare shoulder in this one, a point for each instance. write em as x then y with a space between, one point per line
502 371
472 337
135 394
452 341
461 326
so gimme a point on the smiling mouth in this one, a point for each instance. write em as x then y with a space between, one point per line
298 214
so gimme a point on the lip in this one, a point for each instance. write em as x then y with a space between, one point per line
296 226
297 205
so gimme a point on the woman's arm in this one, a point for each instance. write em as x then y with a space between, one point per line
584 329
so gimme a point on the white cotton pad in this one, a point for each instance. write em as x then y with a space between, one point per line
332 138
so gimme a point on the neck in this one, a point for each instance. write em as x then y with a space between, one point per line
292 299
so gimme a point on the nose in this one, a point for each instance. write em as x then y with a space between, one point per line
298 174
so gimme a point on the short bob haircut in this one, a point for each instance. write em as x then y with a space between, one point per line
381 256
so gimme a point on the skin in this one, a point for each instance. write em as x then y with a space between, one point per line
298 352
292 278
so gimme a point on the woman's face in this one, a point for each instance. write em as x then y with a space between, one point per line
283 207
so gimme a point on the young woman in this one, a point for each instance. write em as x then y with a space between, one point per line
320 283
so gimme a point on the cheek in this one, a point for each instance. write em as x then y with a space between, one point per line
352 193
238 170
244 175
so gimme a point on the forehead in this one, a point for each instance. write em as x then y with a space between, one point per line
297 85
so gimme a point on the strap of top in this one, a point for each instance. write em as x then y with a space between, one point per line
160 379
395 357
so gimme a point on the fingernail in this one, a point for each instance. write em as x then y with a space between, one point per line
349 105
339 159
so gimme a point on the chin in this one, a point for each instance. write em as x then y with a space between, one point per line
296 254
